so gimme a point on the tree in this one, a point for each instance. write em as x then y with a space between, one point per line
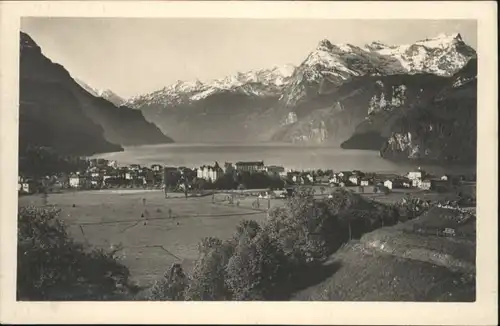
172 286
304 228
51 266
322 189
258 269
208 281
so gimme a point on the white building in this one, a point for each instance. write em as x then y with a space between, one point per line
364 182
274 169
209 173
354 179
156 167
77 181
388 184
444 178
425 184
415 175
113 164
250 166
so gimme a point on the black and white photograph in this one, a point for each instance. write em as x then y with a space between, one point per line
167 159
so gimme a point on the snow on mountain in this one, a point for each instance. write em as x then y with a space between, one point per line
442 55
105 94
255 82
336 64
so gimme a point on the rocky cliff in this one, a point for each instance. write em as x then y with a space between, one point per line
443 128
56 112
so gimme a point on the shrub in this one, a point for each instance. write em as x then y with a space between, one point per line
209 273
258 269
171 287
51 266
307 229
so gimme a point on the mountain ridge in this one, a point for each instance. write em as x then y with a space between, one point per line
339 91
56 112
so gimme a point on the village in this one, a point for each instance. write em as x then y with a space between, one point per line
105 174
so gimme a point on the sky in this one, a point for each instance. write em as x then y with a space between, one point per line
132 56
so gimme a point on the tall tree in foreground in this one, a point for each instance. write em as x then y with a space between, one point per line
51 266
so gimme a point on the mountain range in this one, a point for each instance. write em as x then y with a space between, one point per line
357 97
106 94
57 113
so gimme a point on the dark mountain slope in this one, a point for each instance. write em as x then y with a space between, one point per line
56 112
445 128
392 98
221 117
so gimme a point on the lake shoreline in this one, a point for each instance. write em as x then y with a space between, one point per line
291 156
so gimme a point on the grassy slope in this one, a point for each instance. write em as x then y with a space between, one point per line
390 264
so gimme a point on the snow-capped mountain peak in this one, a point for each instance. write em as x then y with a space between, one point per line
254 82
106 94
441 41
441 55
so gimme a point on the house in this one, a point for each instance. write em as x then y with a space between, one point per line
425 184
407 183
131 175
274 169
109 176
389 184
292 176
283 174
416 175
209 173
354 179
364 182
28 186
113 164
249 166
340 177
95 182
78 181
156 167
135 167
449 232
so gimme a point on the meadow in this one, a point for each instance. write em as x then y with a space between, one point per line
154 231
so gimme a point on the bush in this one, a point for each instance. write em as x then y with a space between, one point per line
172 286
208 281
309 230
51 266
258 269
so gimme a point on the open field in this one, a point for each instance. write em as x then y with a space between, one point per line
151 243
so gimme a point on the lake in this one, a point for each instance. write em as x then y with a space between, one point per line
290 156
